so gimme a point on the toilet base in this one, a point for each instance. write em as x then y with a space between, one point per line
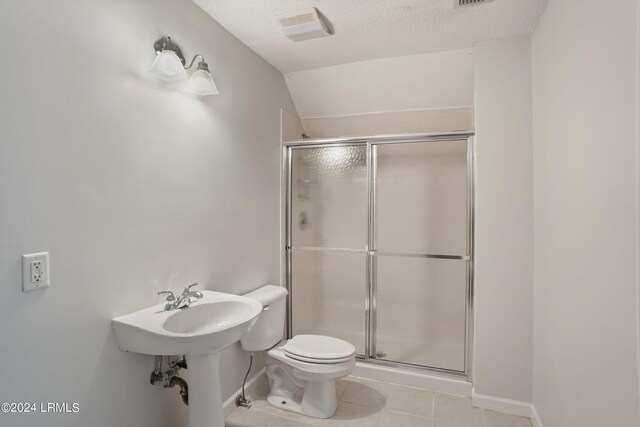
315 399
302 371
305 388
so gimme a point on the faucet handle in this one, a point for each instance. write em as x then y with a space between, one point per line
170 296
188 288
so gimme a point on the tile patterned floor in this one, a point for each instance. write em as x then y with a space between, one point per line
363 403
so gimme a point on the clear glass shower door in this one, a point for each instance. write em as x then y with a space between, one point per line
421 242
328 241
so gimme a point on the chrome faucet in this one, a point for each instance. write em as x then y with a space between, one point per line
183 300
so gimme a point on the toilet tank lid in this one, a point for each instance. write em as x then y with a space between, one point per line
268 294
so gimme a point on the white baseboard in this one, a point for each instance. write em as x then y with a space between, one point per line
535 418
414 379
498 404
249 388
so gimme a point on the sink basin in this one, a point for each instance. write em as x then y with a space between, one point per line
199 332
206 326
210 317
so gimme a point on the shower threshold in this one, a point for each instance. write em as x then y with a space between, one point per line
406 375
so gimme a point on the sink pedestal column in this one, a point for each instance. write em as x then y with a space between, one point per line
205 398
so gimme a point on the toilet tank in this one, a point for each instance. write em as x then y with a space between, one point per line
269 328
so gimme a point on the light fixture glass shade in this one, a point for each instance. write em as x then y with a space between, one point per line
167 66
202 83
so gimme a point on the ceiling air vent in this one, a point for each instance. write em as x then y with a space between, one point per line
465 3
303 25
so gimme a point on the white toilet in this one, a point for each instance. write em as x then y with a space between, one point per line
302 371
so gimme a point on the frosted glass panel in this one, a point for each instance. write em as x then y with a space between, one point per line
328 295
421 311
421 195
329 197
422 198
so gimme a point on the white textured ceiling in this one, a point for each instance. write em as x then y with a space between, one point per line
371 29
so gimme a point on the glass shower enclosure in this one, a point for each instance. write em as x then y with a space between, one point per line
379 246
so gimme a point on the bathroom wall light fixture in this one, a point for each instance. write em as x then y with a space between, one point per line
169 65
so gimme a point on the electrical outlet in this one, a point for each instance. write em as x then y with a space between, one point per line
35 271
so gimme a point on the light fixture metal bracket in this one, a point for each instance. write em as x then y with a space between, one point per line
165 43
199 63
203 66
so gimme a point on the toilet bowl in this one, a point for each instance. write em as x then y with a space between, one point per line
305 383
302 371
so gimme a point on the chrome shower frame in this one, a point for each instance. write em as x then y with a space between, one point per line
371 142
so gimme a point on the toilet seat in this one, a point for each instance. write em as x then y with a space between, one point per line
319 361
319 349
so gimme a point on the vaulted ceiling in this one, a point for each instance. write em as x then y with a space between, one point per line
371 29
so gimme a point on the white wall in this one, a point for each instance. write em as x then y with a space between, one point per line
426 81
133 186
291 127
504 220
585 128
391 122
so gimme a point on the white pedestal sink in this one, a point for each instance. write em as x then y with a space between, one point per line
200 332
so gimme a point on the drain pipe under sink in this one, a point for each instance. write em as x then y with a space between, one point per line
170 377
